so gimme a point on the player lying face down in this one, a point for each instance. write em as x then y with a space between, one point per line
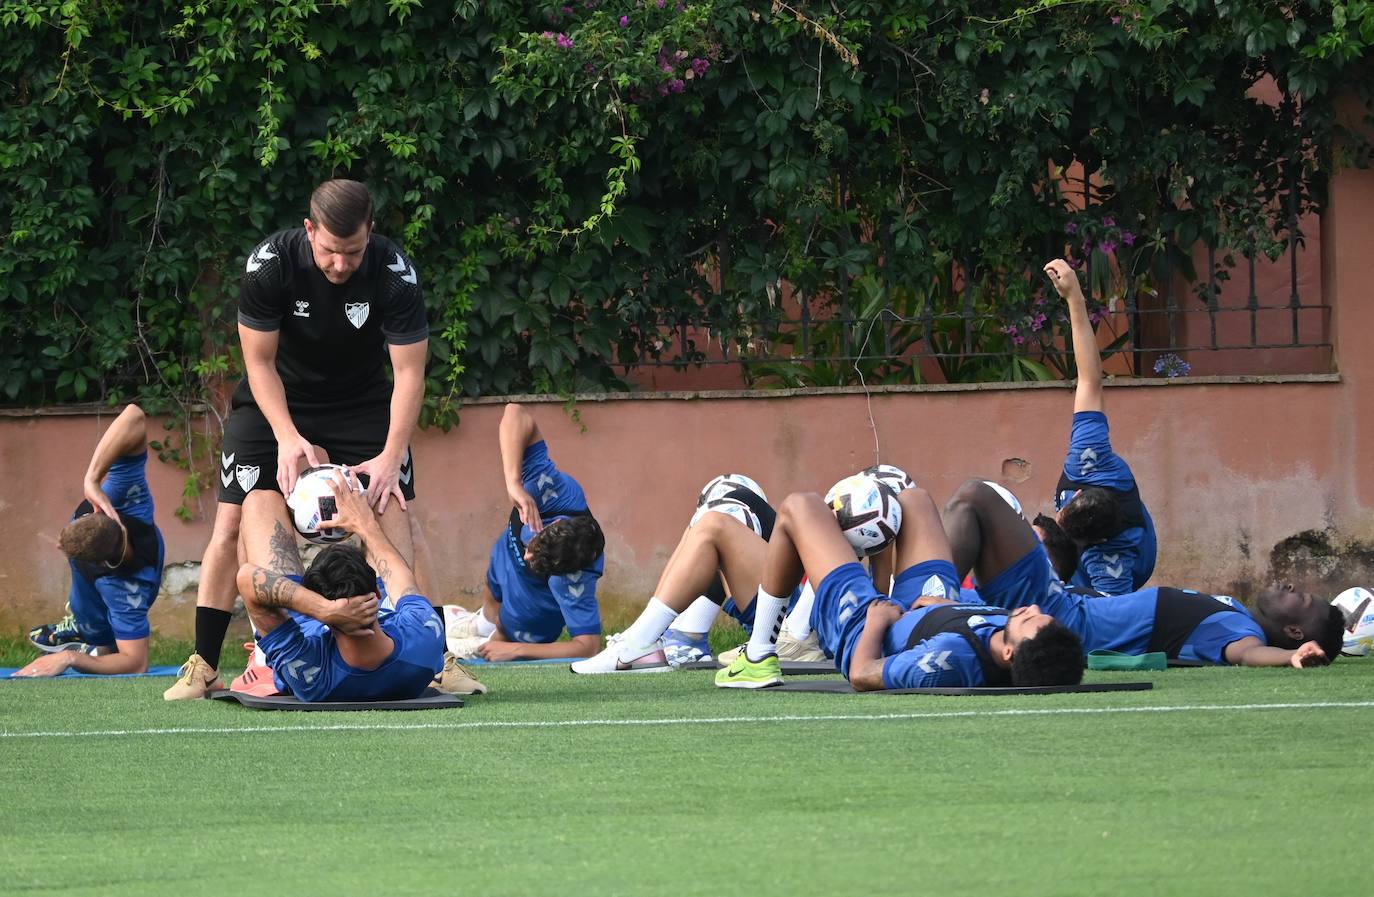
1287 629
877 643
320 628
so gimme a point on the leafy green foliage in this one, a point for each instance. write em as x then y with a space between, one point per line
580 183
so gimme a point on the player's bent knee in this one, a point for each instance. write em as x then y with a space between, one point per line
973 493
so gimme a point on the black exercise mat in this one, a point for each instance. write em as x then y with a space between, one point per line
844 688
429 700
789 667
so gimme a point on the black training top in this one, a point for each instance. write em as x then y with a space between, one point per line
333 337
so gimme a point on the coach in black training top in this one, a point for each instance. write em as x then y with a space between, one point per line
321 309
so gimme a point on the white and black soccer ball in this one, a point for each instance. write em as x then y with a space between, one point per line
312 502
1358 606
894 476
867 510
721 485
732 508
1007 497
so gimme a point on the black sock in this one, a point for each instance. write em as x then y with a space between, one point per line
211 625
438 609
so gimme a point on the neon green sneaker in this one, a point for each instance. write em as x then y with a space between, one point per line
746 673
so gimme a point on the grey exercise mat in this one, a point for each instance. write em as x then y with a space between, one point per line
429 700
789 667
844 688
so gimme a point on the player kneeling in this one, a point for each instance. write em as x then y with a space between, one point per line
321 631
879 643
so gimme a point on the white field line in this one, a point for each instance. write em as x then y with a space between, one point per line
689 721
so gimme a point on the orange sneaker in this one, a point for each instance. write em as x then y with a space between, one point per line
257 679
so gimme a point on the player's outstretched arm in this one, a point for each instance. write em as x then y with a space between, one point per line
355 515
866 666
127 435
1251 652
519 432
1088 393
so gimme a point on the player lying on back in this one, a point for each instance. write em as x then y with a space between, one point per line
1285 629
544 566
115 552
879 643
320 628
1098 501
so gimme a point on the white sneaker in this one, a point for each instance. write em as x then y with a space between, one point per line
465 648
789 649
648 660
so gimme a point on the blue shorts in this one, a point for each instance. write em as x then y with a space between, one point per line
306 662
841 610
928 579
1024 583
115 607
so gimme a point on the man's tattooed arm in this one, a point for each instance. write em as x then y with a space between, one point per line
392 570
273 590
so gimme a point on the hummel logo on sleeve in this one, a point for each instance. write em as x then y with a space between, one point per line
402 267
261 256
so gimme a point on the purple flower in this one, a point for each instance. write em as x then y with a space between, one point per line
676 85
564 42
1018 340
624 21
567 10
1116 20
662 3
1071 227
1011 330
1037 322
1107 247
1128 238
1109 221
547 35
663 90
699 66
1170 365
1097 315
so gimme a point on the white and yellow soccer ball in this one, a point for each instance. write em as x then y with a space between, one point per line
867 511
894 476
721 485
312 502
1358 606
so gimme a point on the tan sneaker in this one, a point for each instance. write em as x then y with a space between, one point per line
789 648
197 680
454 680
800 650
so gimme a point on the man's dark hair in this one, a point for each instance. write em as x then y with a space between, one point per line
341 206
340 571
1091 516
1330 634
92 538
566 545
1062 550
1054 656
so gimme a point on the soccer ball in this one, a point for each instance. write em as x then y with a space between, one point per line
1007 497
730 507
867 510
312 502
1358 606
721 485
895 477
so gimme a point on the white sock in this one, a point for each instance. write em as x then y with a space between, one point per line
768 614
799 618
698 618
484 626
652 623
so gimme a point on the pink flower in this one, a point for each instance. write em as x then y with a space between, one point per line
699 66
1128 238
676 85
564 42
1109 221
1018 340
1116 20
662 3
1071 227
624 21
1107 247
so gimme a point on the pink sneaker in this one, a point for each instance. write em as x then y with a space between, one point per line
257 679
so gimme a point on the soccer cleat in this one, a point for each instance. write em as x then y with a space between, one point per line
454 680
196 681
58 636
649 659
746 673
257 679
680 649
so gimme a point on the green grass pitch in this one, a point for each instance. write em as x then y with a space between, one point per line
1217 782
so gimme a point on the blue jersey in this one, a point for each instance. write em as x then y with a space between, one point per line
1124 562
1126 623
944 660
840 611
537 608
112 604
305 659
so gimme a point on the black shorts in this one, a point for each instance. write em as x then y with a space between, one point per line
350 434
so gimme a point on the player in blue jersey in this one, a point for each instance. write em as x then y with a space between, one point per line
544 566
1286 628
116 553
1098 500
321 631
878 643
